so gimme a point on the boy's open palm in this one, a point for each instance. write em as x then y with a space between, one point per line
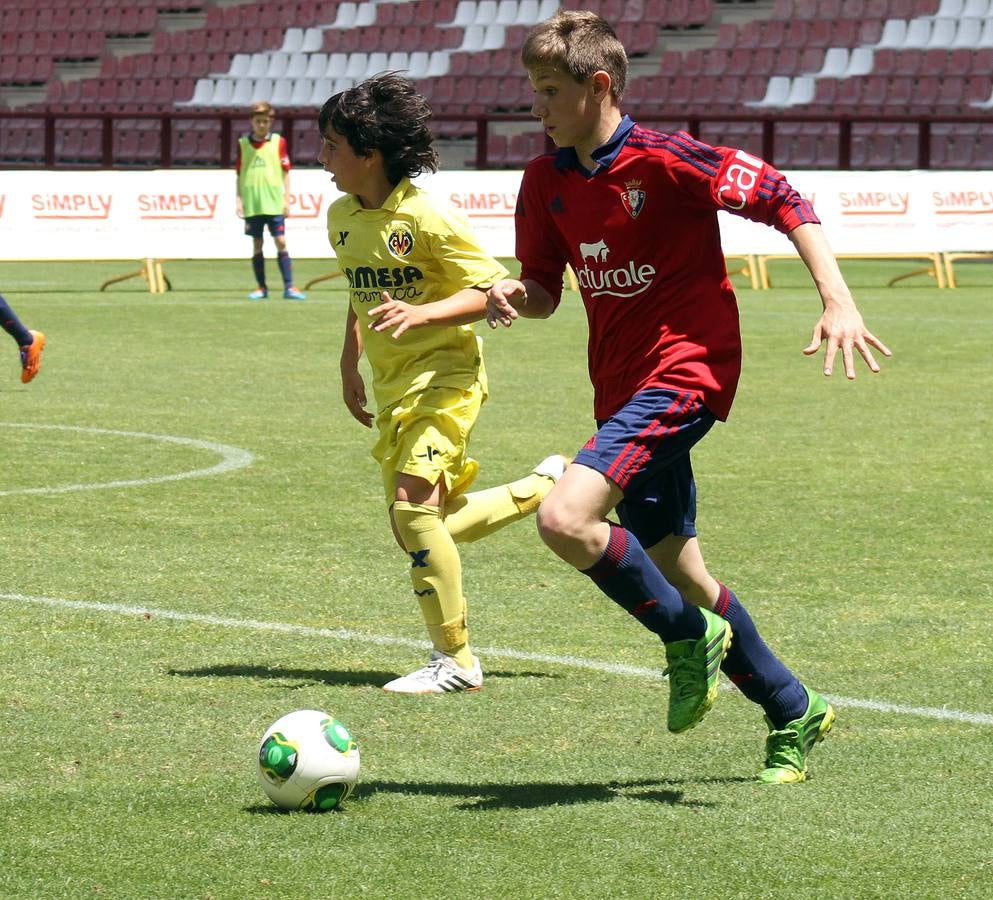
843 329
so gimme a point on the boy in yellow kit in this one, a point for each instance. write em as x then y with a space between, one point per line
263 168
417 280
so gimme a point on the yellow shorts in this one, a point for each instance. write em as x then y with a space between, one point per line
427 435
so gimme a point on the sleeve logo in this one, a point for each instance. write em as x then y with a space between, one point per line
738 180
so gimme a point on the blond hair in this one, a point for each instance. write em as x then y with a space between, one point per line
263 108
579 43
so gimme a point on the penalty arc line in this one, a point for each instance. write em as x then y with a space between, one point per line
345 634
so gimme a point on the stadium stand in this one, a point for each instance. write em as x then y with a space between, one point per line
773 59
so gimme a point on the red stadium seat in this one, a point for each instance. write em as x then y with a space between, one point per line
796 34
909 62
874 91
884 61
715 62
693 61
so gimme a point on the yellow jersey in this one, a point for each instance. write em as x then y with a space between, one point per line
420 253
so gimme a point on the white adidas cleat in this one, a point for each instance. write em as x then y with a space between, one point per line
442 675
552 466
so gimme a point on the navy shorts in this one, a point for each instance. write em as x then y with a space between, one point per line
255 225
644 449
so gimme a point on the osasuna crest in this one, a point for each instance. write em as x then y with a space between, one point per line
633 198
400 241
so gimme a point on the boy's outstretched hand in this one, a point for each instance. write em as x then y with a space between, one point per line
843 328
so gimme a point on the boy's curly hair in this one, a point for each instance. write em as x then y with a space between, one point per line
385 113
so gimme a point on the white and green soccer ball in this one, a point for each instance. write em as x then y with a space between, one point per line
308 760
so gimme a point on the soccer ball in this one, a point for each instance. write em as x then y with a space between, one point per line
308 760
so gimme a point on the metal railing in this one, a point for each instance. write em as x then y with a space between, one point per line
104 153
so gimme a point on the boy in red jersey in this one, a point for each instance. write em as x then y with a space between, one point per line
635 214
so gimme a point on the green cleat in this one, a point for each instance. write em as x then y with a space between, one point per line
693 670
786 751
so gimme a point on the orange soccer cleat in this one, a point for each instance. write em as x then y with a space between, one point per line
31 356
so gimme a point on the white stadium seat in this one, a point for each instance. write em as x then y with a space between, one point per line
417 65
282 91
322 89
465 14
203 93
357 64
337 64
292 40
942 34
258 66
860 62
968 32
376 63
365 14
347 12
918 34
313 40
835 63
297 66
239 65
486 12
777 92
278 62
317 65
223 91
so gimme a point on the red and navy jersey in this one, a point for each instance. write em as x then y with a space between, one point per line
641 233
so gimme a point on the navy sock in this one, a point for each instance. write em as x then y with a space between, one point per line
626 574
285 267
12 325
755 670
258 267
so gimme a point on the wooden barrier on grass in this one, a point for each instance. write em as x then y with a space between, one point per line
151 271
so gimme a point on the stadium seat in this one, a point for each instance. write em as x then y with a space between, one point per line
292 40
861 61
337 65
835 63
282 91
296 67
203 94
375 63
357 64
273 65
894 34
777 93
418 64
317 65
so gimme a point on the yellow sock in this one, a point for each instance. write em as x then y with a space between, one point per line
469 517
436 574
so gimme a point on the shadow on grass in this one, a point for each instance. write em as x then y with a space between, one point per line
487 796
362 678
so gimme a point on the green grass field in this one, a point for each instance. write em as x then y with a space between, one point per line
152 629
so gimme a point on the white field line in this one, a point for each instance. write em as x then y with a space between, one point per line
345 634
231 458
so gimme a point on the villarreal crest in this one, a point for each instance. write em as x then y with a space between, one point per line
633 198
400 241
